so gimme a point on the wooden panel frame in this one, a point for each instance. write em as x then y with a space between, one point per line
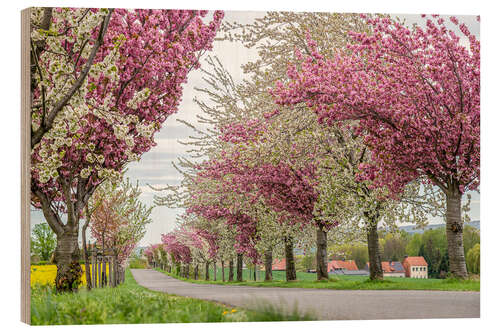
25 166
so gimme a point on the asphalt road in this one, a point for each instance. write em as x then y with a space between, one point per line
323 303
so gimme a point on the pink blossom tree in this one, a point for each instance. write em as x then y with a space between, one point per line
221 204
289 191
119 220
133 82
175 244
148 253
414 94
204 247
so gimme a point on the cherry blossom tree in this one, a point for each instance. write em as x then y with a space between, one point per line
148 253
174 243
414 94
217 202
119 221
105 82
204 247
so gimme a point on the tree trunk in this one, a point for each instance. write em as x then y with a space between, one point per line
67 256
269 265
215 270
85 252
321 255
188 270
255 272
196 272
231 270
376 272
207 270
223 277
290 261
239 267
454 234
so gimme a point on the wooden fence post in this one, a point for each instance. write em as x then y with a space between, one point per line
93 268
110 277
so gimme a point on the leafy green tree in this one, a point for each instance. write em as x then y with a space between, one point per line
433 248
444 266
43 241
414 244
438 237
394 247
309 261
471 237
473 259
432 256
359 254
353 251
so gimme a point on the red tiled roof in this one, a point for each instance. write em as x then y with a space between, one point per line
390 267
349 265
332 265
279 264
415 261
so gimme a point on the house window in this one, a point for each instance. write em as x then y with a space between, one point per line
424 269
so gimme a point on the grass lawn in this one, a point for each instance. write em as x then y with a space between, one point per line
308 280
131 303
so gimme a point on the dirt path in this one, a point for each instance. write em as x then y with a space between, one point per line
326 304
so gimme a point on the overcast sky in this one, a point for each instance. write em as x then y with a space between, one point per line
155 167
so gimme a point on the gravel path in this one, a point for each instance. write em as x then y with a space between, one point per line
323 303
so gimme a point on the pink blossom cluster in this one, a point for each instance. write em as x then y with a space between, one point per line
244 131
244 225
110 229
156 49
290 192
415 94
148 252
176 247
284 188
199 238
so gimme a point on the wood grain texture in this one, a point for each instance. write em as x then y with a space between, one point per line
25 166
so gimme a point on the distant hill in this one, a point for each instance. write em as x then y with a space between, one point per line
413 229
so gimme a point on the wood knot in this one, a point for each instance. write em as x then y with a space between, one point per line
456 227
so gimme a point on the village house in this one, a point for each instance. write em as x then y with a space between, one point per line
349 265
344 267
279 264
391 269
415 267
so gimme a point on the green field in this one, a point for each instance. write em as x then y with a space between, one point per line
131 303
343 282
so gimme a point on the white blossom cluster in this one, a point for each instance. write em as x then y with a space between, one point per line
138 98
58 74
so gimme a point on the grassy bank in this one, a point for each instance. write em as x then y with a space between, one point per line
308 280
131 303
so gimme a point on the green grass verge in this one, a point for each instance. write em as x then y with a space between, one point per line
308 280
131 303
